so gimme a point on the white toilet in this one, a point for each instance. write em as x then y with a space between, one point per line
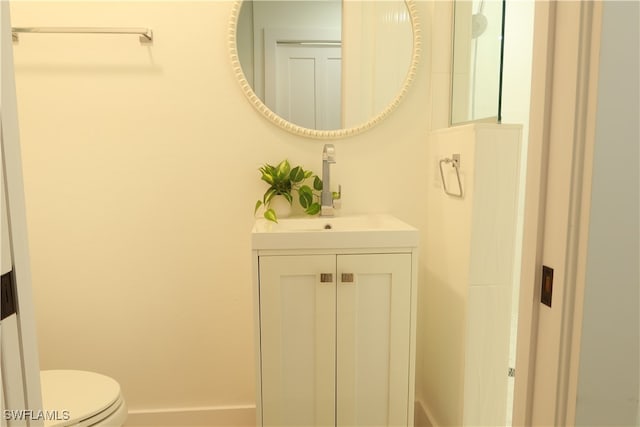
82 399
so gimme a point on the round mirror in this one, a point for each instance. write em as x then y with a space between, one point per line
325 68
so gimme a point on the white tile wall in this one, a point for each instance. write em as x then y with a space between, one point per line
475 244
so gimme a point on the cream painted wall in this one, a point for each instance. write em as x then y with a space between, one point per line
140 166
432 346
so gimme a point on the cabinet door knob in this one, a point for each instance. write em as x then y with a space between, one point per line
326 278
347 277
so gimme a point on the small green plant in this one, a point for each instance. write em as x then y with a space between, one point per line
284 181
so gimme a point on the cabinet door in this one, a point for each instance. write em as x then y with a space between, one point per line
373 339
297 331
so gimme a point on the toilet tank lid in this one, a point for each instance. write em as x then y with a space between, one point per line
77 394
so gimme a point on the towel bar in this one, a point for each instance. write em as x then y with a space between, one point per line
146 35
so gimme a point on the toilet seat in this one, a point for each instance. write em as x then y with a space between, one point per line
81 399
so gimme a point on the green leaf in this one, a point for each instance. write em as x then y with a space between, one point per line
258 204
269 195
307 174
317 183
305 189
297 174
283 169
313 209
267 170
266 177
288 196
306 196
270 215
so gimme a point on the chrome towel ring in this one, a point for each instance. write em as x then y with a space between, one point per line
454 161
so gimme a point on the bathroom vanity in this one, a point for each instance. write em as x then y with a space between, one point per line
335 303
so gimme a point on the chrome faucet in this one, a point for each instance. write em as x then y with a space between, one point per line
326 197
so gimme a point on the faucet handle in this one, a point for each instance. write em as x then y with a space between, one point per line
337 198
337 195
329 153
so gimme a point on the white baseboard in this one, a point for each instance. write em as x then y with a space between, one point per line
210 416
227 416
423 416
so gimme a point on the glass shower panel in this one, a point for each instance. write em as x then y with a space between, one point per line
478 32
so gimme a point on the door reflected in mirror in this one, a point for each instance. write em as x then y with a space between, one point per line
325 65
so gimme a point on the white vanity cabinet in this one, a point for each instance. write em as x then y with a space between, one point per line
335 336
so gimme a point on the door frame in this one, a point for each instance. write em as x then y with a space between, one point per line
12 164
556 218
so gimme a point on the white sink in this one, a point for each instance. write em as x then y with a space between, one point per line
355 231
